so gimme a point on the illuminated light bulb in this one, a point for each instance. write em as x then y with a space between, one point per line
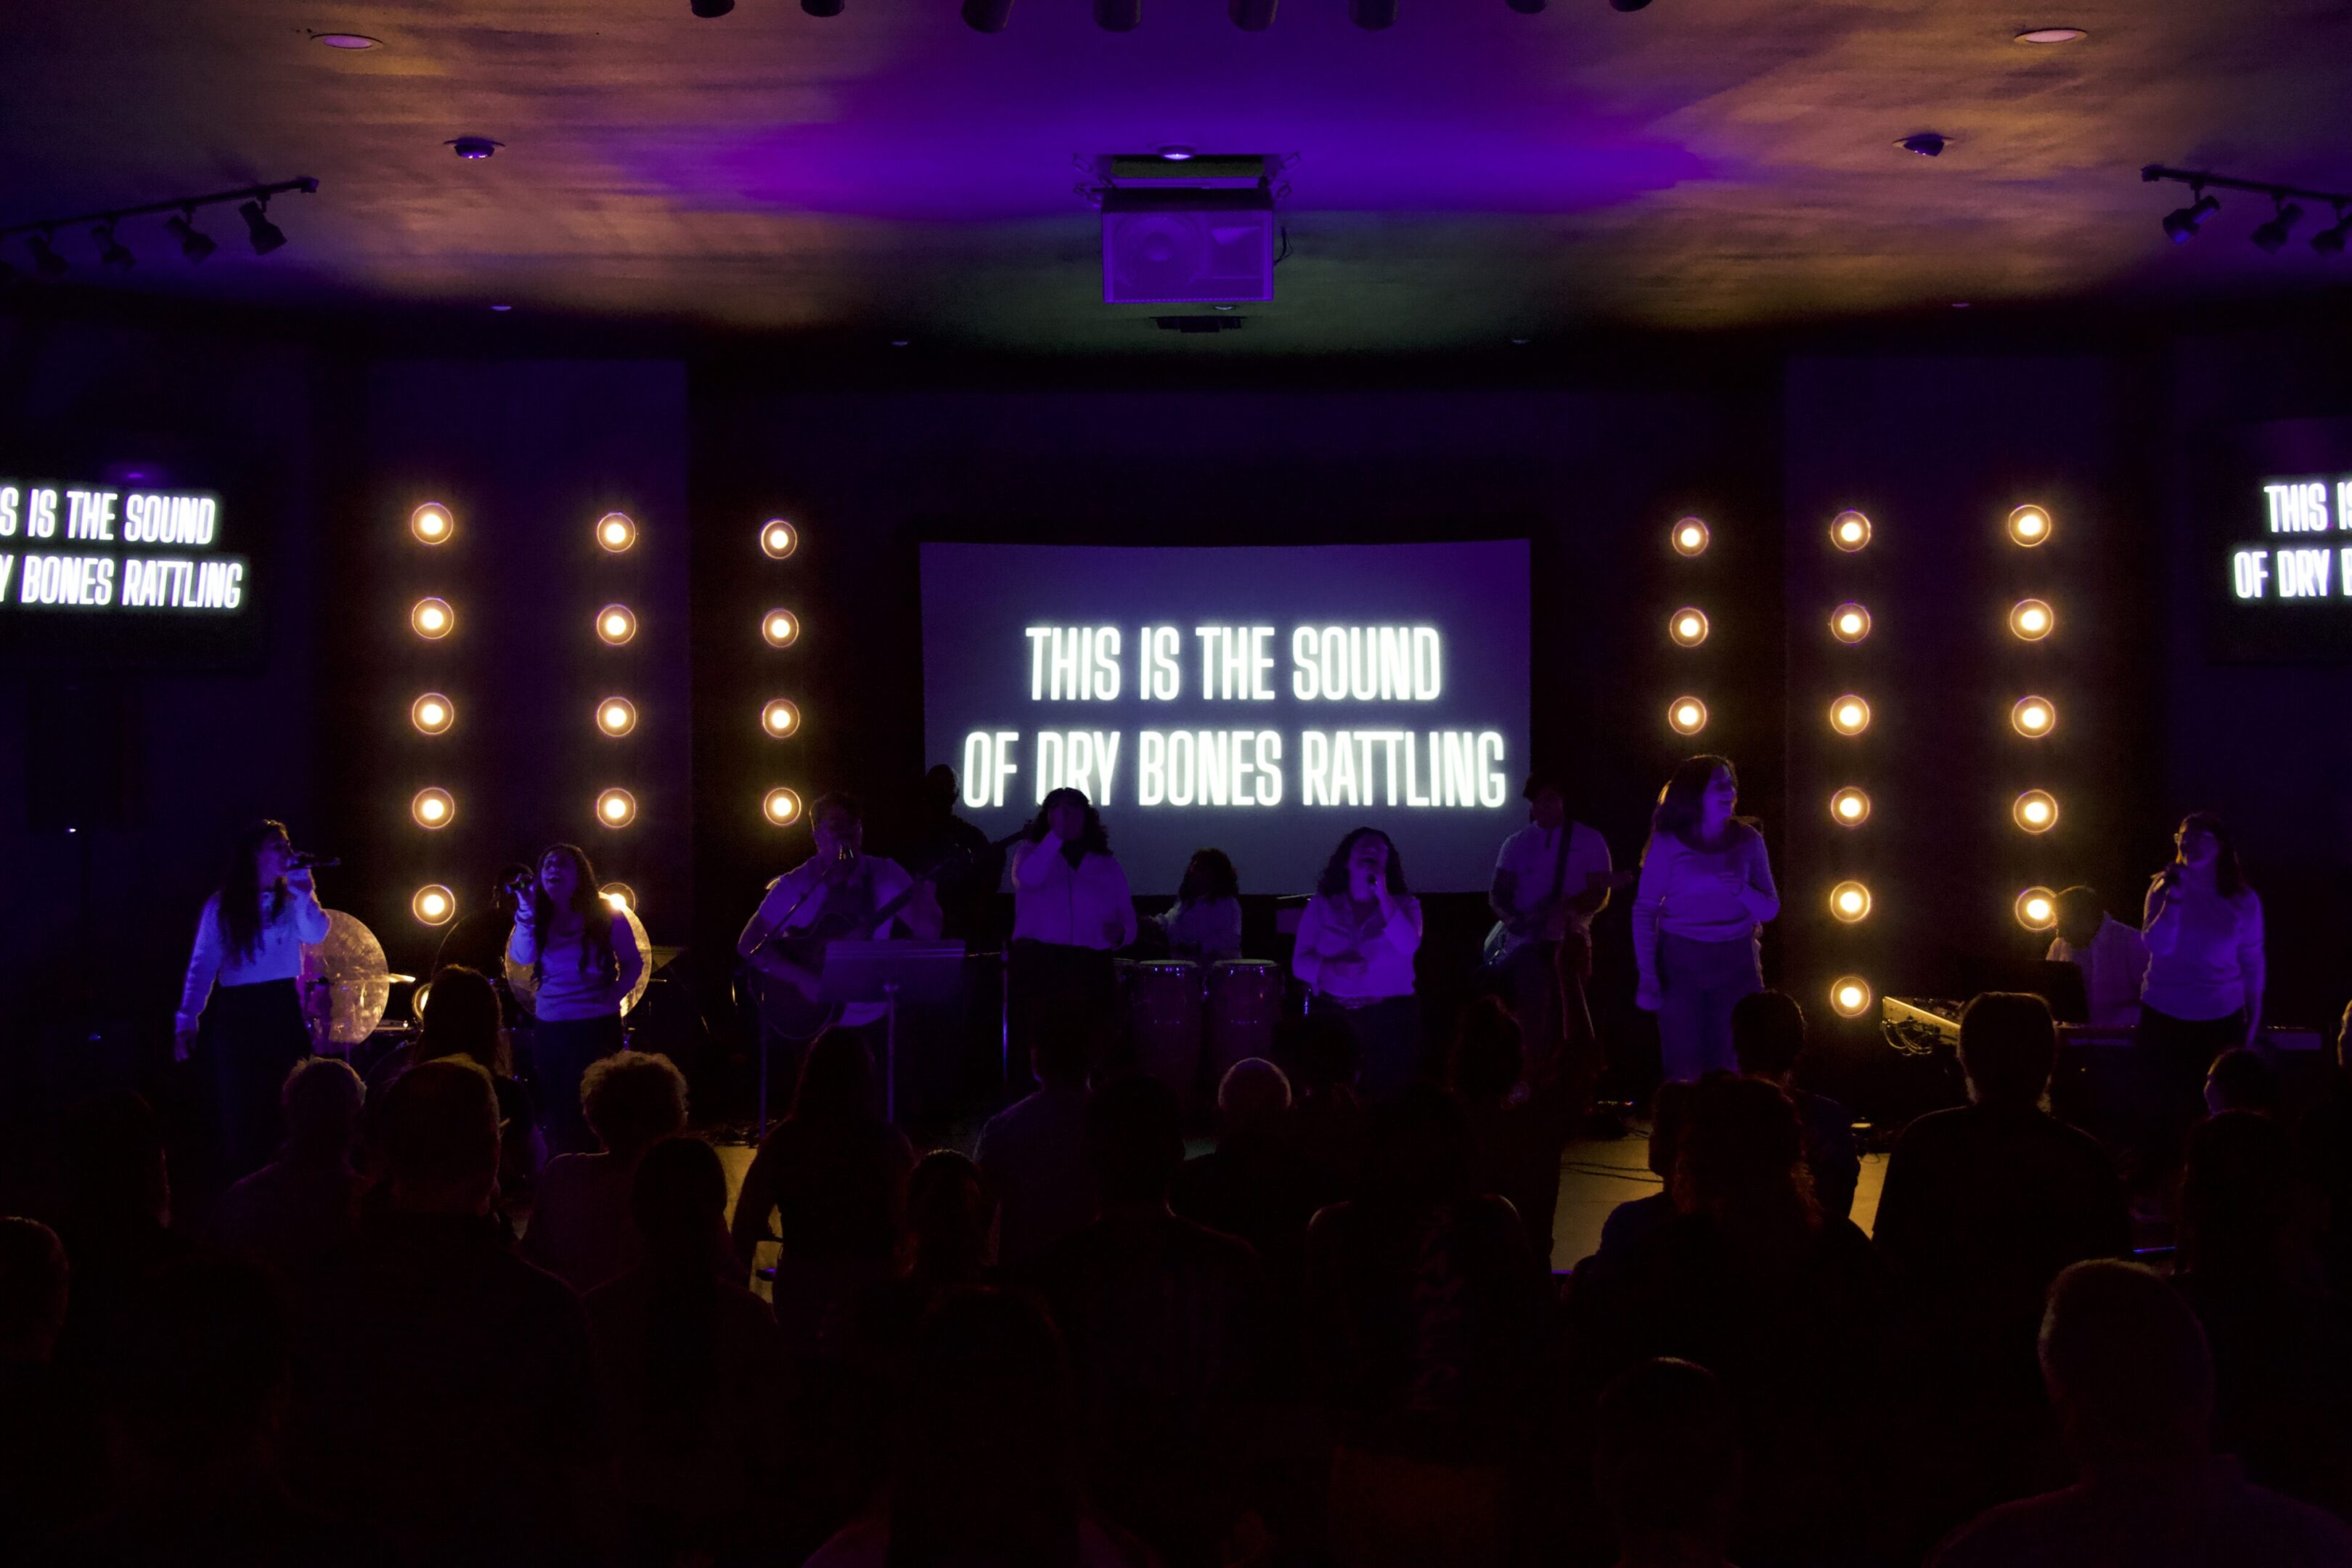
2031 620
2036 811
432 714
617 808
433 808
1849 622
2033 716
1850 996
782 807
1849 715
781 627
432 524
2029 525
620 895
616 624
1849 531
616 531
1690 537
1848 901
2037 908
1849 807
433 618
780 718
616 716
778 538
1687 626
1686 715
434 904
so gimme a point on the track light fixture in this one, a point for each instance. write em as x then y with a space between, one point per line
40 235
1372 14
707 9
194 244
1628 5
2181 224
266 235
987 15
1251 15
46 259
1119 16
112 252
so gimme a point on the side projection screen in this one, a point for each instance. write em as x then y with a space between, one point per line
1258 701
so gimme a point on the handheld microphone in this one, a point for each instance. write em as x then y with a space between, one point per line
2171 875
303 861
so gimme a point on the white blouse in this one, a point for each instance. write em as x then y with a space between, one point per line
1330 929
1683 892
569 988
1085 905
295 918
2202 951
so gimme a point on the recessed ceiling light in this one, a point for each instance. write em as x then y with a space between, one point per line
473 149
1960 304
502 307
347 40
2050 35
1177 153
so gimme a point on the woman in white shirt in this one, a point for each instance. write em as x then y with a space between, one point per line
1206 923
240 1003
1705 892
584 960
1357 938
1071 910
2203 993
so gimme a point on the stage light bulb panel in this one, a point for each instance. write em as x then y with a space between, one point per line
1850 902
2036 811
1689 627
1690 537
432 809
2031 620
1687 716
1850 996
2037 908
616 715
1849 531
617 808
2033 716
416 1003
433 618
615 531
782 807
432 524
434 905
2029 525
778 538
780 718
616 624
619 894
1849 715
1849 807
432 714
781 627
1849 622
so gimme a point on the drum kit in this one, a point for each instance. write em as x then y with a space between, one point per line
1188 1023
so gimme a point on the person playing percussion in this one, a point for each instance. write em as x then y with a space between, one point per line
1206 923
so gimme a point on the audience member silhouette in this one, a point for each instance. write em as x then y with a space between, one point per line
951 1213
303 1205
1515 1138
1162 1321
2241 1079
2127 1371
2324 1137
1768 1035
582 1228
1630 1223
116 1224
2248 1261
1666 1465
1425 1308
464 1016
1255 1186
52 1464
1033 1151
988 1469
446 1387
833 1178
1327 1115
695 1376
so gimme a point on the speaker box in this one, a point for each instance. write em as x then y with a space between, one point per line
1166 247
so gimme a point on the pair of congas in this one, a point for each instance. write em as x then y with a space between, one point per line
1187 1022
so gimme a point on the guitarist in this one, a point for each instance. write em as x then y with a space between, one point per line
1552 876
839 891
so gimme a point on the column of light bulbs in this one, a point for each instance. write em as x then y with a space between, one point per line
1849 716
615 716
2036 811
779 717
1687 626
432 714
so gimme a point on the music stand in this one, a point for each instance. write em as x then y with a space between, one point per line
919 973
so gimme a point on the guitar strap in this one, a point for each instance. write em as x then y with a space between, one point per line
1560 860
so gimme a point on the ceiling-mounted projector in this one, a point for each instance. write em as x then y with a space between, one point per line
1189 228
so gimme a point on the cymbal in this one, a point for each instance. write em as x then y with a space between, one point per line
356 984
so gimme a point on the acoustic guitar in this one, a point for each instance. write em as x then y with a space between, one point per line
784 1008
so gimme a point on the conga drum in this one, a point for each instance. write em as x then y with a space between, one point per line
1245 1009
1164 1022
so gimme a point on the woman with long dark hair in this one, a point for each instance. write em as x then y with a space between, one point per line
584 960
1357 938
1206 921
240 1003
463 1016
2203 993
1071 910
1705 892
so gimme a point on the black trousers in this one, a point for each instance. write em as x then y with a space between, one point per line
562 1052
254 1035
2175 1055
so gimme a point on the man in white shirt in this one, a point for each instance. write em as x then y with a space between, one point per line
2112 956
1552 876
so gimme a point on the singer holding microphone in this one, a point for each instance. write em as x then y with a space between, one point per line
240 1004
1071 910
583 959
1357 938
2203 993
